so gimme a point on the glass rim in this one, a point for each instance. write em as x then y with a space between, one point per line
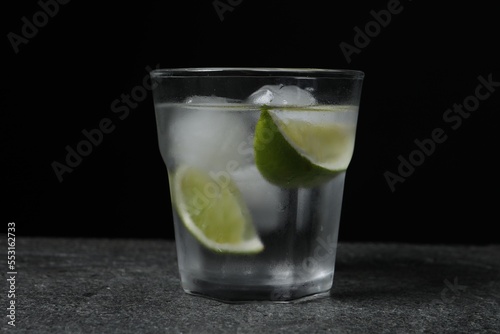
310 73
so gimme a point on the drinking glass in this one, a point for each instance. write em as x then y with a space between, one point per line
256 161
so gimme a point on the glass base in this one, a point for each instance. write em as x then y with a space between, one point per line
232 293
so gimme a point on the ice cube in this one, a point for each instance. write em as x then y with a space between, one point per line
208 136
264 200
281 95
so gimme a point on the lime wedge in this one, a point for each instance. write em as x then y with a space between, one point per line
214 214
294 152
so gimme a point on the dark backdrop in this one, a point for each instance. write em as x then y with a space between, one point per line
68 71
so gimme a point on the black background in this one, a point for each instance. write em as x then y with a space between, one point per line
65 78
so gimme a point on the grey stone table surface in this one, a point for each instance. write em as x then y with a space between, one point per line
132 286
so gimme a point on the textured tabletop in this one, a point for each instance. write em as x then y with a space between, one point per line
132 286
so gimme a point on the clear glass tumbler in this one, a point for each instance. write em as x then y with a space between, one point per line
256 159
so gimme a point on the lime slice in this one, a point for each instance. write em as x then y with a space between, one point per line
293 152
214 213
